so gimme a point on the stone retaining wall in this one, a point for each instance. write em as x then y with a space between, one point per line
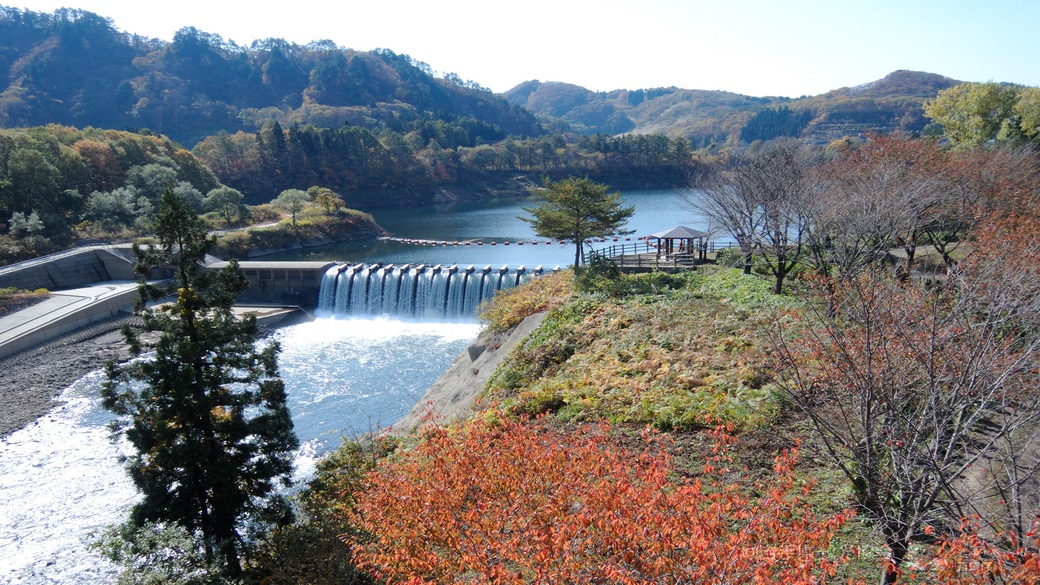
67 270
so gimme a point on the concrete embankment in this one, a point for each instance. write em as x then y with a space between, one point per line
453 395
63 313
71 269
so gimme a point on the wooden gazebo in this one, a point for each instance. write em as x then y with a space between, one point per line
680 241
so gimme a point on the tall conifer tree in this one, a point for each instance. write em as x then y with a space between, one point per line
207 414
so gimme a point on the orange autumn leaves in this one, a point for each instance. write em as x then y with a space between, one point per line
522 502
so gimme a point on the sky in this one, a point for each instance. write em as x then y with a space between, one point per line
754 47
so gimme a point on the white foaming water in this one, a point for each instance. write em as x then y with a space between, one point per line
61 481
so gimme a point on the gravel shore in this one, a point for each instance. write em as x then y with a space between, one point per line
31 380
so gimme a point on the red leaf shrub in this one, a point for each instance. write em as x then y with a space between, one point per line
522 502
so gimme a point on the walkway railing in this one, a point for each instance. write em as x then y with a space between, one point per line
642 255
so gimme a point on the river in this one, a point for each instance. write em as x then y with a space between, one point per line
60 479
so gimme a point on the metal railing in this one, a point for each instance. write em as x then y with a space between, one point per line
642 255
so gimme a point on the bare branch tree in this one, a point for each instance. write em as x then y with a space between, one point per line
872 199
727 206
761 200
910 390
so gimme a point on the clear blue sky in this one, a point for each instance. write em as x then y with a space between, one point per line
754 47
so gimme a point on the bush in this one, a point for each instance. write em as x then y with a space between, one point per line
310 551
264 213
157 554
599 274
509 307
523 502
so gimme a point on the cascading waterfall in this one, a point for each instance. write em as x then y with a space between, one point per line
414 291
436 295
328 289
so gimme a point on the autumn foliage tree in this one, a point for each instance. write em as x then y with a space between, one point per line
326 198
874 198
974 114
523 502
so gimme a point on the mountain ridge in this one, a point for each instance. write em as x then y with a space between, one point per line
717 117
75 68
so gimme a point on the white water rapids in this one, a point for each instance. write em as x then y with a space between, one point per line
60 479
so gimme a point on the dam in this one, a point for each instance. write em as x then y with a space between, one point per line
405 290
362 289
420 291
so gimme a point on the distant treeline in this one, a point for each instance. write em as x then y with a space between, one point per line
59 184
401 168
54 172
775 123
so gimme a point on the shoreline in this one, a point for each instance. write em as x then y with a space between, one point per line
32 380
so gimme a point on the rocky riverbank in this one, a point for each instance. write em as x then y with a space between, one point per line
31 380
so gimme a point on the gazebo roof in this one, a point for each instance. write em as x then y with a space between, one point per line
679 232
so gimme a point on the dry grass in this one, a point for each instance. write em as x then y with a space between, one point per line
673 359
13 300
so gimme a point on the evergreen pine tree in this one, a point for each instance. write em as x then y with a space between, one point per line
576 209
207 414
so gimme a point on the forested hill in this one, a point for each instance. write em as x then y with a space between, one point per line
75 68
707 118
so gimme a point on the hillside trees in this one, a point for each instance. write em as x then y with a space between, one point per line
418 155
914 392
577 209
770 124
74 67
206 416
118 209
55 170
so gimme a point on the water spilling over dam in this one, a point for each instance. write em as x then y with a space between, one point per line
415 290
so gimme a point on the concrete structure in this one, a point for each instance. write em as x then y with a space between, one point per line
95 284
71 269
281 283
63 313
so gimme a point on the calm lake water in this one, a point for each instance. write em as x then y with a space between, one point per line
60 479
486 222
